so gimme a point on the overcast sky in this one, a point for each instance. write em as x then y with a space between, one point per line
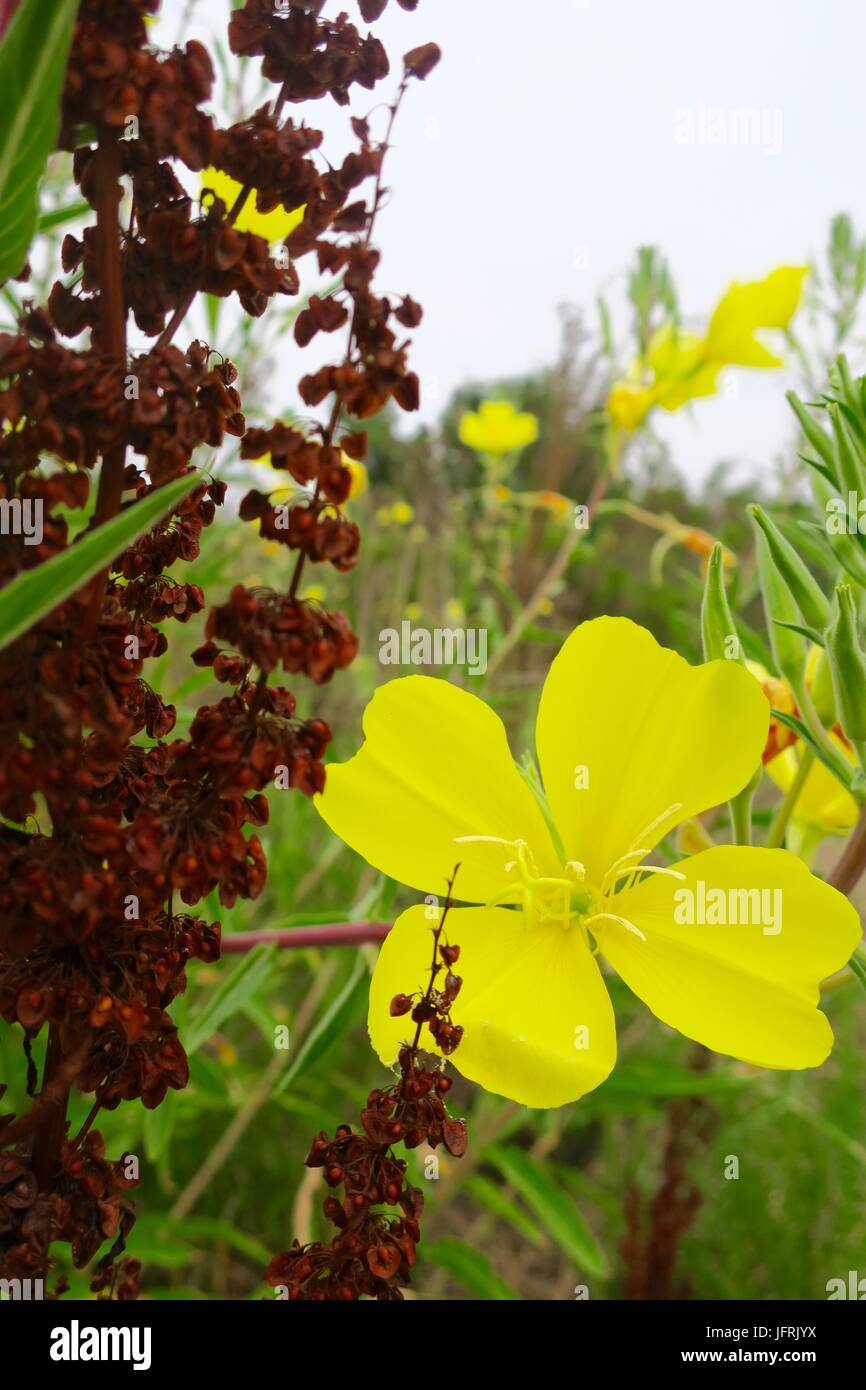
557 136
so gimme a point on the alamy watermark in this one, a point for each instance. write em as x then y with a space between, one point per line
22 517
729 907
760 127
443 646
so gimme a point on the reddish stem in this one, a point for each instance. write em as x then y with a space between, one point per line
329 934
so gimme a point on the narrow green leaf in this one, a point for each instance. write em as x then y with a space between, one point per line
34 593
805 733
469 1268
231 995
58 216
497 1201
553 1207
32 67
341 1013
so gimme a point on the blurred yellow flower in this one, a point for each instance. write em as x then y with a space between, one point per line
419 534
402 513
680 367
314 594
273 226
413 612
498 429
360 477
454 611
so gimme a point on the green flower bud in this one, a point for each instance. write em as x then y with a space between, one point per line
805 589
818 438
789 648
846 545
822 690
847 666
718 629
850 468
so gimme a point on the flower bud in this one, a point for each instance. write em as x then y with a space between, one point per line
847 666
815 436
846 546
805 589
850 467
789 648
718 630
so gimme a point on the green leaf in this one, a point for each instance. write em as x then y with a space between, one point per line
341 1013
553 1207
32 68
58 216
497 1201
159 1125
231 995
469 1268
811 632
803 731
34 593
858 965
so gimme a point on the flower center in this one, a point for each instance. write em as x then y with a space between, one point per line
569 900
564 901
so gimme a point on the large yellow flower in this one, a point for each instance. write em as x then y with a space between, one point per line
631 741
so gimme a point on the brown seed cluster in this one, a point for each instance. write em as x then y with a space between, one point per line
111 827
373 1252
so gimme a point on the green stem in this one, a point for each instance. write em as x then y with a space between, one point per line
783 815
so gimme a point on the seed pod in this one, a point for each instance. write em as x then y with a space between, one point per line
718 630
805 589
818 438
847 665
789 648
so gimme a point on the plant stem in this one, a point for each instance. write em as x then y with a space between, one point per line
847 872
110 336
783 814
49 1137
329 934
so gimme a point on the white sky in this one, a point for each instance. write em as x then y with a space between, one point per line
543 150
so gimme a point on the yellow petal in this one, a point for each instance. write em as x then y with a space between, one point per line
273 226
538 1022
767 303
627 731
748 990
435 766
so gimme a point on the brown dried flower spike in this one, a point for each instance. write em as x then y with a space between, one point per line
373 1253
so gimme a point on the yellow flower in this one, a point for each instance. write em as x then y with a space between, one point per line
419 534
627 405
453 611
402 513
680 367
314 594
273 226
498 429
413 612
360 477
631 742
